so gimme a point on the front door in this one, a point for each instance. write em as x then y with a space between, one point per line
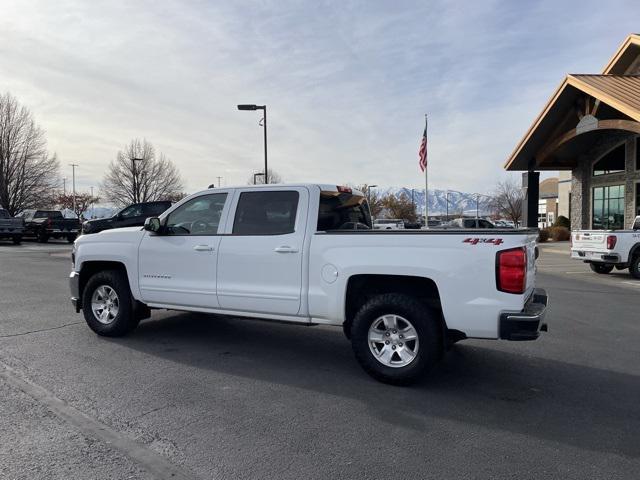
260 257
178 267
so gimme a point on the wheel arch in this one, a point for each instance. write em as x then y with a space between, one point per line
91 267
362 287
635 250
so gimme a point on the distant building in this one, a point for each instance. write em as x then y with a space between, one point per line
589 131
548 202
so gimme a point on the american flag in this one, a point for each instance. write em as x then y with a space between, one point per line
422 153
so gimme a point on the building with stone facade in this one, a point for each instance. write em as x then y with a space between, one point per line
589 131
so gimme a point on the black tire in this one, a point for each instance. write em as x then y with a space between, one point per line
634 267
71 237
426 324
43 237
601 268
125 320
17 240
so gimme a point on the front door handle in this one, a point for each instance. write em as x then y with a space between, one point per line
203 248
285 249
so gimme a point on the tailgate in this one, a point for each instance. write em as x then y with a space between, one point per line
588 240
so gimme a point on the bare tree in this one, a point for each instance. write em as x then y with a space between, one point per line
274 177
139 175
82 203
507 199
28 175
399 207
373 198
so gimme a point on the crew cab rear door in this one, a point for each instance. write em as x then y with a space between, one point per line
260 256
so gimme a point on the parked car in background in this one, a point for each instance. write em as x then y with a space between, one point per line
470 223
307 254
131 216
388 224
11 228
434 223
605 250
45 224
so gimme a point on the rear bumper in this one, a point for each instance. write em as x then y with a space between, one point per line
74 287
528 323
590 256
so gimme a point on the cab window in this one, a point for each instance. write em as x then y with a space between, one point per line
266 213
132 211
198 216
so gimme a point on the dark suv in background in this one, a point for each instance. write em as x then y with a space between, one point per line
131 216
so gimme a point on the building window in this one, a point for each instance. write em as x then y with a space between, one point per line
612 162
637 199
608 207
637 153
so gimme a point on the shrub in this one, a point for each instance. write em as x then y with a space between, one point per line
560 234
543 235
562 221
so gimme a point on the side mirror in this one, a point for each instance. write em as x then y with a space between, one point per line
152 224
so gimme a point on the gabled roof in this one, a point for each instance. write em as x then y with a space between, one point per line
613 88
624 57
621 92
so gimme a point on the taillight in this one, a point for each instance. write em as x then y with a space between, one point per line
343 189
611 242
511 270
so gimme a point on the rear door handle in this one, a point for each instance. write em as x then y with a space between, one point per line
203 248
285 249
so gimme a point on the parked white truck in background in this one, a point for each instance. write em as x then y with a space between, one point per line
307 254
605 250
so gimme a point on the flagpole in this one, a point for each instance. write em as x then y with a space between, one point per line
426 182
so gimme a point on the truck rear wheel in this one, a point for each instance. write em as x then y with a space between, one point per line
107 304
43 237
634 267
602 268
395 338
17 240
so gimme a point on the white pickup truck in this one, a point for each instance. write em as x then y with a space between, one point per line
605 250
306 254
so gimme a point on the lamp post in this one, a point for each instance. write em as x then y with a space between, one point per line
260 174
264 124
478 195
136 194
447 202
73 176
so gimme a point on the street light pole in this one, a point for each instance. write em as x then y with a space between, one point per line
73 176
264 125
447 202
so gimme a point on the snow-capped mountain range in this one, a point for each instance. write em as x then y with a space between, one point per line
458 201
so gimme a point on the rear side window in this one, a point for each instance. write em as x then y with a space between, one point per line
266 213
343 211
485 224
469 223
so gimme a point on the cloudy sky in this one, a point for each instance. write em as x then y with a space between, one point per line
347 83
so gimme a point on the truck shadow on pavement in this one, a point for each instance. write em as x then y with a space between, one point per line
561 402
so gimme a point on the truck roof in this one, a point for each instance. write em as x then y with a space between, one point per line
325 187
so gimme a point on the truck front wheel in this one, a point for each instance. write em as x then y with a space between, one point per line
602 268
396 338
634 267
107 304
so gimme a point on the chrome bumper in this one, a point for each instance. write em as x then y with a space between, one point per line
527 324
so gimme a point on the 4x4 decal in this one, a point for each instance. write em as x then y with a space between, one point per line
475 241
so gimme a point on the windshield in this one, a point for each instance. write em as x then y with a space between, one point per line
343 211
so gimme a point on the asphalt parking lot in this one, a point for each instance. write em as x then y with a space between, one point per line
198 397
